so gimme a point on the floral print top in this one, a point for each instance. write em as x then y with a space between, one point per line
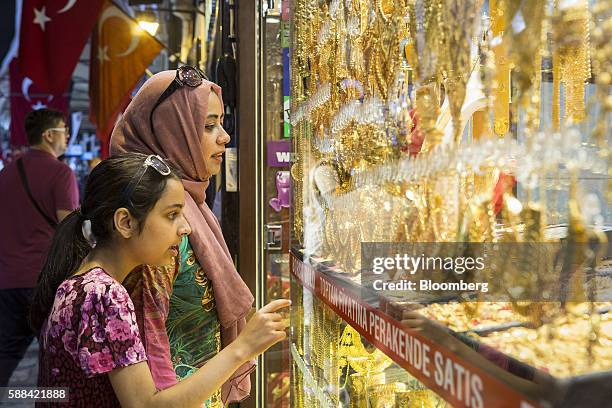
90 331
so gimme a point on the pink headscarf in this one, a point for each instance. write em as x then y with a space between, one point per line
179 127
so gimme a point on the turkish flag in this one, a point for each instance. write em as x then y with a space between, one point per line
27 96
120 53
53 34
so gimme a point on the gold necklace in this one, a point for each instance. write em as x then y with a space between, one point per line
458 27
501 103
571 36
602 59
524 40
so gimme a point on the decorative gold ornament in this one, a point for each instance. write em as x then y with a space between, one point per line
428 108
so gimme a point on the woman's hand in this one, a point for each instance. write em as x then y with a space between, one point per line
263 330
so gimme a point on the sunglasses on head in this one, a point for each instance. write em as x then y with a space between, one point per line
153 161
185 76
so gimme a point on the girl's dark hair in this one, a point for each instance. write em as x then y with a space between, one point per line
104 194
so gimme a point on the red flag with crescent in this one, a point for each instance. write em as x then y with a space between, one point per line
27 96
120 53
53 34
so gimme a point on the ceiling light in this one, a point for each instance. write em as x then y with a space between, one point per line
149 26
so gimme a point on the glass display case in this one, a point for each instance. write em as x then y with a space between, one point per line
276 188
446 130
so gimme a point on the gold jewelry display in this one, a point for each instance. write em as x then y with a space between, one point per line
297 386
297 175
560 347
353 354
369 78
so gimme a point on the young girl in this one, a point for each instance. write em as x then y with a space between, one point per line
132 214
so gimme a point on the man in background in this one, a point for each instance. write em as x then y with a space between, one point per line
36 191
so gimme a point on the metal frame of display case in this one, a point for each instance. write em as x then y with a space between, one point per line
251 163
249 175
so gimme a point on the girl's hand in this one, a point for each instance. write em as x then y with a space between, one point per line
263 330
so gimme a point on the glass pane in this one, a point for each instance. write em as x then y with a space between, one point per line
277 193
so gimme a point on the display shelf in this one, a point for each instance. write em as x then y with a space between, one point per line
460 377
309 380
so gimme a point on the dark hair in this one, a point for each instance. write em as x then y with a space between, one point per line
37 121
103 196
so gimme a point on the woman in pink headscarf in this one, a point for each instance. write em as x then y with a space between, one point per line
194 309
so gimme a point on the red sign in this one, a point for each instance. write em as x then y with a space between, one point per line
458 381
26 96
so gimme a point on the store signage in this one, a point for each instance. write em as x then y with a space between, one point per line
279 153
456 380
